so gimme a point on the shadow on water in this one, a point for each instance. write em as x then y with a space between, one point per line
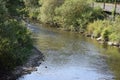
70 56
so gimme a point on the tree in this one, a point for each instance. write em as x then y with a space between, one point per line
15 44
72 12
32 8
15 7
15 41
3 10
47 11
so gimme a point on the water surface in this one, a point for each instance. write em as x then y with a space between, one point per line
70 56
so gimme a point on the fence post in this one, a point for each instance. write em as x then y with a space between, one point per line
104 4
115 8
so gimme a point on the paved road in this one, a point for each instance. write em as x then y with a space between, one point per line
108 7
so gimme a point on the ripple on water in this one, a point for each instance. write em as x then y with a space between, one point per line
68 57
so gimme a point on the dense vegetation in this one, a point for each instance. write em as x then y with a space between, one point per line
107 29
67 14
15 41
77 15
72 15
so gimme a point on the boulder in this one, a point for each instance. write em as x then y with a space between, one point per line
29 69
99 39
110 43
116 44
92 36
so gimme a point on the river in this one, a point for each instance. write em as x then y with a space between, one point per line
70 56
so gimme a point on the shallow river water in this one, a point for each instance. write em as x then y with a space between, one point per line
70 56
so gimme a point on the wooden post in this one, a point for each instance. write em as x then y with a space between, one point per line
115 9
115 6
104 4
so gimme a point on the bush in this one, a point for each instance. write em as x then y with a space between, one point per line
115 37
96 28
108 30
15 44
76 13
47 10
31 8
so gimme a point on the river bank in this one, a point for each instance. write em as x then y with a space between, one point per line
109 43
85 33
30 65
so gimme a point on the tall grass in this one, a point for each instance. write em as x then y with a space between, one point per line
108 30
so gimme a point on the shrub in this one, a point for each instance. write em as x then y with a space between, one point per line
15 44
108 30
115 37
47 10
77 13
96 28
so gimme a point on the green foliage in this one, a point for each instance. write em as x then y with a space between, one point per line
95 28
15 44
32 8
15 41
31 3
15 7
108 30
97 13
47 10
105 34
69 14
115 36
3 10
76 13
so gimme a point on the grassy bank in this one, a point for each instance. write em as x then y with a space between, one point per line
106 30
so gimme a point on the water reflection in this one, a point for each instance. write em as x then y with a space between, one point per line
70 56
